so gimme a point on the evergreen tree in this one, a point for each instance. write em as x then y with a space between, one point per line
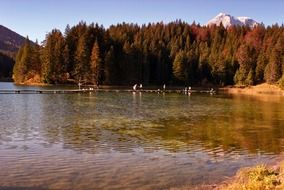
53 68
110 70
260 67
273 71
179 67
246 61
96 64
82 60
23 60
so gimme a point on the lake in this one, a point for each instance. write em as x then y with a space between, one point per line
112 140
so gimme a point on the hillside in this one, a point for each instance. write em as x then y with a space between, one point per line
10 41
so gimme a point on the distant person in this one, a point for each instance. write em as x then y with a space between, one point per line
140 86
135 87
212 91
164 87
189 90
79 84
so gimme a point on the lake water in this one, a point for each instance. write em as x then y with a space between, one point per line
125 140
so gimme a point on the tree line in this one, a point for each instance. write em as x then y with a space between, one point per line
176 53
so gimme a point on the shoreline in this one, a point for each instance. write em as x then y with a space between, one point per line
32 84
260 89
260 176
263 92
257 90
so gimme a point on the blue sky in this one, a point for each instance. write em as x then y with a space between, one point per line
37 17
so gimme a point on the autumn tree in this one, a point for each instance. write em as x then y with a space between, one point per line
23 62
247 61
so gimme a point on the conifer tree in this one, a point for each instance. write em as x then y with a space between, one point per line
82 68
179 67
23 60
53 68
111 70
260 67
96 64
273 70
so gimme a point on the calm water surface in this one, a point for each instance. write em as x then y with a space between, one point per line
133 141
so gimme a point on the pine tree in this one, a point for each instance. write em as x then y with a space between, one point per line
19 69
96 64
66 62
35 64
273 70
250 78
246 58
23 61
260 67
81 60
110 70
179 67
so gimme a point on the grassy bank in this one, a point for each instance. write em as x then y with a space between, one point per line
261 89
260 177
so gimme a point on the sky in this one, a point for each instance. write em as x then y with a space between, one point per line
35 18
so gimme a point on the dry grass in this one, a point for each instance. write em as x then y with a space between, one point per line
256 178
256 90
260 177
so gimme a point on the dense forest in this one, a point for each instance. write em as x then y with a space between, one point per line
6 66
176 54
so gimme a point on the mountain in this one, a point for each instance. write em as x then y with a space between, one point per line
228 20
10 41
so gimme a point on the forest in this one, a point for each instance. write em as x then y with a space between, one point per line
6 66
176 53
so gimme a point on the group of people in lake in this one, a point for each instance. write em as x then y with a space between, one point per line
135 87
187 90
141 86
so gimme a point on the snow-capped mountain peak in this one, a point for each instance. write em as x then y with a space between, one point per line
248 21
228 20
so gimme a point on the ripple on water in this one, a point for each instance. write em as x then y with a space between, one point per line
126 141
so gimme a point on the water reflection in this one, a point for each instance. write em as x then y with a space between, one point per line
133 140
